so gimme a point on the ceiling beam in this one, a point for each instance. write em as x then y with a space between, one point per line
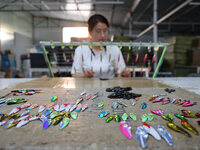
128 15
165 17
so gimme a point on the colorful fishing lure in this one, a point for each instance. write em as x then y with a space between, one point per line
101 104
164 133
169 117
133 116
55 98
64 123
180 117
141 136
189 127
109 118
117 118
177 129
126 129
124 116
149 129
74 115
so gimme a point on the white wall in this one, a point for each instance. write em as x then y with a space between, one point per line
18 30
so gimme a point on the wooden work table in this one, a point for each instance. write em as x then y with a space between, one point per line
90 131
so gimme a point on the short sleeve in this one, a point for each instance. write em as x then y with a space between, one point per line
77 63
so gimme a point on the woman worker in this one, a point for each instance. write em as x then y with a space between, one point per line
98 61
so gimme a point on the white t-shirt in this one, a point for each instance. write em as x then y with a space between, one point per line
105 63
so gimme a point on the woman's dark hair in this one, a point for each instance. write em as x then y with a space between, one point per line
94 19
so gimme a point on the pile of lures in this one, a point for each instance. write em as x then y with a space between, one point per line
167 100
184 122
54 114
10 101
26 92
121 92
116 117
143 131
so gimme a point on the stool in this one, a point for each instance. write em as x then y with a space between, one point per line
138 69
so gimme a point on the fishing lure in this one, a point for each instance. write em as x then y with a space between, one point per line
153 97
34 117
32 106
22 123
57 120
48 112
3 122
136 58
121 103
150 117
16 101
133 102
88 96
165 101
64 123
124 116
53 115
62 107
143 105
9 122
133 116
149 129
153 59
41 108
177 128
79 100
55 98
25 113
24 117
101 104
25 105
12 124
169 117
79 107
145 58
157 100
141 136
189 127
74 115
109 118
84 107
15 110
127 58
144 117
115 105
190 104
157 112
68 107
95 96
164 133
47 123
83 93
180 117
117 118
181 103
177 101
126 129
189 114
73 108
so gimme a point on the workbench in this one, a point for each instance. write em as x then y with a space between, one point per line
90 131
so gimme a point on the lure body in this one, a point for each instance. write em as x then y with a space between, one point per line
47 123
143 105
55 98
79 107
141 136
133 116
56 107
144 117
189 127
74 115
22 123
83 93
67 108
3 122
79 100
57 120
190 104
15 110
48 112
84 107
53 115
115 105
73 108
177 128
125 116
157 100
101 104
169 117
121 103
126 129
64 123
41 108
109 118
164 133
88 96
180 117
117 118
149 129
95 96
157 112
133 102
25 113
150 117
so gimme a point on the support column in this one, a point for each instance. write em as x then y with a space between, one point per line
155 29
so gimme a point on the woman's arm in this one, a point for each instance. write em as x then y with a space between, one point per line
86 74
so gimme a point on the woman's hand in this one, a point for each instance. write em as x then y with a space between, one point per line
126 73
88 73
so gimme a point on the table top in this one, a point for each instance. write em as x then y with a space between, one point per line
89 131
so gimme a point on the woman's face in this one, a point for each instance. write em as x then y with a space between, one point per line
99 33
